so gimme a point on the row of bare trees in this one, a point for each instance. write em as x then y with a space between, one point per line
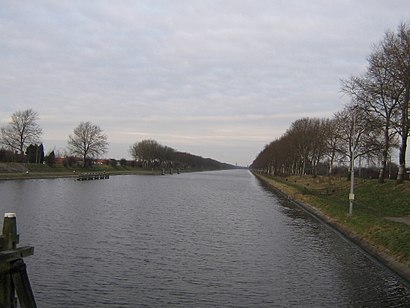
371 126
88 141
383 92
149 153
23 133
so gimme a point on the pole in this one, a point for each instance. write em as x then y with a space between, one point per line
13 273
9 239
351 194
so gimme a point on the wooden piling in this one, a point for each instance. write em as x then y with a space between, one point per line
13 273
22 284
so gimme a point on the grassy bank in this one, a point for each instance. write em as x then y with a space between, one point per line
13 171
374 208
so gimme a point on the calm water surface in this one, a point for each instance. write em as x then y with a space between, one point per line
203 239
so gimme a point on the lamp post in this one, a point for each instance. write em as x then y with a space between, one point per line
351 194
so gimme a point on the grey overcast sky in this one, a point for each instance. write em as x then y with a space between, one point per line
216 78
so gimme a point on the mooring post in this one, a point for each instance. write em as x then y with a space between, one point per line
9 242
13 274
22 284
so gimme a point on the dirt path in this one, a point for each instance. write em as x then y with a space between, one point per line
404 220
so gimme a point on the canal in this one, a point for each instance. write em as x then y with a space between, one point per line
197 239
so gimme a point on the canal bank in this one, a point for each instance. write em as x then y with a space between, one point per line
19 171
383 258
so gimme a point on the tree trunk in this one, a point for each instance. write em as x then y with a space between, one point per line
314 171
351 165
402 164
404 134
382 172
332 159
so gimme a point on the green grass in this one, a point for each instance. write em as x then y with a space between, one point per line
45 171
387 199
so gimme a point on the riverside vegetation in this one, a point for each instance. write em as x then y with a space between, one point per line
11 171
14 171
381 212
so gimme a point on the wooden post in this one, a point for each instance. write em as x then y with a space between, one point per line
13 274
22 284
9 242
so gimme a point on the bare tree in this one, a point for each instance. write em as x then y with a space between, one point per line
308 136
21 131
383 92
145 151
88 141
358 136
332 141
320 135
298 151
396 51
150 151
378 95
301 136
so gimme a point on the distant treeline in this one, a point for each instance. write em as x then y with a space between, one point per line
149 153
313 146
146 154
20 141
34 154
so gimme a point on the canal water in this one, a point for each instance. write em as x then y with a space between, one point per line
209 239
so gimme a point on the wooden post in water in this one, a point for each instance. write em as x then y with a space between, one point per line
9 241
13 274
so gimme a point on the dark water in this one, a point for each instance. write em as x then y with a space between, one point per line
203 239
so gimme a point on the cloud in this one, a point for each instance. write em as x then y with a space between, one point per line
221 72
